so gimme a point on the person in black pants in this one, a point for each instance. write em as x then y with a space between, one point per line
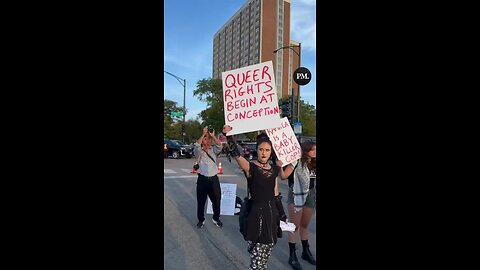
208 183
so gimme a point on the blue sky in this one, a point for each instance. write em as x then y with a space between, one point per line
189 27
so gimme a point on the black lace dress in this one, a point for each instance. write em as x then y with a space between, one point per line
263 219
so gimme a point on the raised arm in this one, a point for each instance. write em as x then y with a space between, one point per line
243 163
215 139
204 133
235 152
284 174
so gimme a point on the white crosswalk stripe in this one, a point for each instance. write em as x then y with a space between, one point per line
180 173
195 176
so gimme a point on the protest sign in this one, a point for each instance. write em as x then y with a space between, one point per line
227 203
250 98
284 142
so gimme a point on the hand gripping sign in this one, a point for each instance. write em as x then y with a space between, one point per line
250 98
284 142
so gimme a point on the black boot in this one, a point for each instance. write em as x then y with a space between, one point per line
293 261
306 254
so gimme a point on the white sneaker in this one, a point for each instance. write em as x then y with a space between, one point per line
217 223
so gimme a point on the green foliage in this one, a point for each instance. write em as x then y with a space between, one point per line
252 135
193 130
170 106
172 130
308 118
210 91
171 127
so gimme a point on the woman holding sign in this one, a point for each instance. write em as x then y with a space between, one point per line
301 202
267 210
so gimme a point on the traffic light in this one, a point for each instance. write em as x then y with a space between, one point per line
286 106
183 130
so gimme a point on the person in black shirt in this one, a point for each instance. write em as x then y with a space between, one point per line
267 210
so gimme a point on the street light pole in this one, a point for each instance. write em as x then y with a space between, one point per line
299 46
184 84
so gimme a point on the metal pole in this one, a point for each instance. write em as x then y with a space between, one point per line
300 65
184 108
292 100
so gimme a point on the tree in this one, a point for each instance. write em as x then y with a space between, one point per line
210 91
193 129
308 118
170 106
171 127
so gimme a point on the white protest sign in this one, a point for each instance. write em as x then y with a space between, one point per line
284 142
250 98
227 202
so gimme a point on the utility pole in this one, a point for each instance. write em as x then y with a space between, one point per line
184 84
299 53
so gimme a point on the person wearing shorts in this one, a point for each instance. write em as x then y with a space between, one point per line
301 202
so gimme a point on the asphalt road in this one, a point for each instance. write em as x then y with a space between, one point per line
210 247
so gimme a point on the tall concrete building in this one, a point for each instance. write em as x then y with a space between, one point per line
251 35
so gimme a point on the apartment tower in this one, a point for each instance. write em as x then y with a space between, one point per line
251 35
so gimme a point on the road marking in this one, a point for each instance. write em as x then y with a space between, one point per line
187 170
195 176
168 171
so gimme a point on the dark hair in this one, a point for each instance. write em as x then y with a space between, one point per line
262 140
306 147
261 136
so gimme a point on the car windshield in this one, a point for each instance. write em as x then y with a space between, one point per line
176 143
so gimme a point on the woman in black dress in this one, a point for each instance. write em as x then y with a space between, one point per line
267 210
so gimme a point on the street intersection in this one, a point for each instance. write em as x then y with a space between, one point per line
186 247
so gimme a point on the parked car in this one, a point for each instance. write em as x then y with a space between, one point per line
176 149
165 149
301 139
249 150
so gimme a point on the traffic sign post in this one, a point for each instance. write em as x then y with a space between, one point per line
297 128
176 115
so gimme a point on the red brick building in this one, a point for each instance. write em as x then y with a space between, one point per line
251 35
